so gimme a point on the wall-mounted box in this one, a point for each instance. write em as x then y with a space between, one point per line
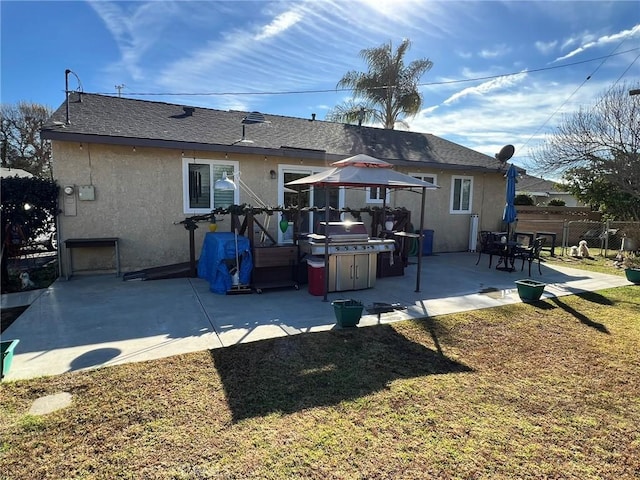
86 192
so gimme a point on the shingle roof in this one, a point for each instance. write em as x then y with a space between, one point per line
529 183
108 119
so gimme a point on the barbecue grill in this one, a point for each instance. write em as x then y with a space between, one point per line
353 256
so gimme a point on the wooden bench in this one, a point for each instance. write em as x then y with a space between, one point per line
72 243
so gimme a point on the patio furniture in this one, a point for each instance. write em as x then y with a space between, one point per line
489 244
507 257
71 243
530 254
520 237
552 236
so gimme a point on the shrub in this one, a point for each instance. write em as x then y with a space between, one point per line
523 199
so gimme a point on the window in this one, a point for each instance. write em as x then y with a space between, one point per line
374 194
198 179
307 196
461 193
426 177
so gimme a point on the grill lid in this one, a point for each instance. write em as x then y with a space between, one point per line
341 232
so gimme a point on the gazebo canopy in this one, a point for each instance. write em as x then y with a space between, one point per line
362 171
365 171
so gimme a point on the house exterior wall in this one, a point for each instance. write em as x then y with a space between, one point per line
451 230
139 199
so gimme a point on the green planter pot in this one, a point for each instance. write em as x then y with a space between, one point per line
348 312
633 275
7 356
530 290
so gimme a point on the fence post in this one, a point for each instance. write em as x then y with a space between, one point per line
565 236
606 239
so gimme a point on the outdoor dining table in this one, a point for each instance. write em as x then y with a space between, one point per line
507 258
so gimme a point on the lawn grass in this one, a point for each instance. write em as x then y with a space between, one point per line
543 390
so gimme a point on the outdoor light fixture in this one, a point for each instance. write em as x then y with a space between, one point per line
273 174
225 183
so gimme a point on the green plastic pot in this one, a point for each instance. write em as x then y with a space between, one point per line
530 290
633 275
348 312
6 348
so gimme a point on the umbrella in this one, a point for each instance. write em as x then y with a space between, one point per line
510 214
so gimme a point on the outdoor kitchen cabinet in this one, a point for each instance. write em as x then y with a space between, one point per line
352 271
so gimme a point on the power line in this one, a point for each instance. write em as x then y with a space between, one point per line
604 59
332 90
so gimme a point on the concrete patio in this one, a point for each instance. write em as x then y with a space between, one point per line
96 321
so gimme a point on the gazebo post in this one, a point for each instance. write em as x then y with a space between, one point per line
326 242
420 241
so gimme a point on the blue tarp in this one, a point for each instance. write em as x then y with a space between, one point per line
218 251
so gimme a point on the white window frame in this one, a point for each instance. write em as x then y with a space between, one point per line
233 167
309 170
378 200
462 178
425 177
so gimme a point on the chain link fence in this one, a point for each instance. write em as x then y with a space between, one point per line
602 238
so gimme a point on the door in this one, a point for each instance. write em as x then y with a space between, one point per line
361 271
345 272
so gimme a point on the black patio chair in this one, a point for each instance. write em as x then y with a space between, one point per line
530 254
489 244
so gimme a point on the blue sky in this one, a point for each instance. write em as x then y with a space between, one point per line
503 72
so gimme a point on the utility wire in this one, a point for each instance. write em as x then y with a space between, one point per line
604 59
332 90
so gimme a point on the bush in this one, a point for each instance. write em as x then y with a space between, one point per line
556 202
523 199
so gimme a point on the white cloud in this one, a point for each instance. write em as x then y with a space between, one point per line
520 117
487 87
497 51
546 47
602 41
279 24
135 28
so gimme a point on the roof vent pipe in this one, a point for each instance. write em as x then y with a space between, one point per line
313 117
66 92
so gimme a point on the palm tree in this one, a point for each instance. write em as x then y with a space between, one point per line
386 92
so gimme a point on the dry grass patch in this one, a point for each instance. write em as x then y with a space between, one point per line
547 390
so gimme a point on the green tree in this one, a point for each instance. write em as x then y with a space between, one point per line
30 205
387 92
21 145
597 151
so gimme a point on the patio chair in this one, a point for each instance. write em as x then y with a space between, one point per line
489 245
530 254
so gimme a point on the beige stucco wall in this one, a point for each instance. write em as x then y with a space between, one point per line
139 199
451 230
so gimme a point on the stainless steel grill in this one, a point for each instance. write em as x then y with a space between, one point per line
346 238
353 255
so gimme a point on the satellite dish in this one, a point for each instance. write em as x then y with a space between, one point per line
505 153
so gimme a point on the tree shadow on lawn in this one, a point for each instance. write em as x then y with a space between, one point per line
293 373
582 318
